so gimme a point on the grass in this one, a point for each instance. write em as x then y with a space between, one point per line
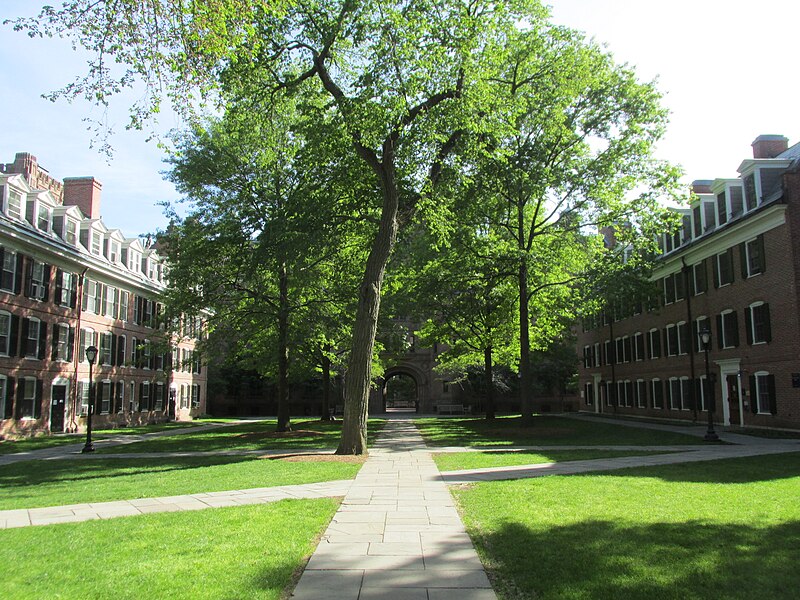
38 443
545 430
720 529
258 435
239 552
455 461
59 482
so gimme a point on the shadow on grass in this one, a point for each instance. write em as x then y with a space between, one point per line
603 559
543 430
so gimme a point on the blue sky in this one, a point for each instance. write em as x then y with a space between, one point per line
728 70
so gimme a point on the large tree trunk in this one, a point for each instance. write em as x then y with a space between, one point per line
489 379
359 370
525 400
283 351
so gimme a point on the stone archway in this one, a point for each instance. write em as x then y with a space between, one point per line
422 382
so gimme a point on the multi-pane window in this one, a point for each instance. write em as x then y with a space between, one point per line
112 302
757 322
5 399
88 338
30 398
134 261
63 340
123 305
701 323
90 290
9 270
674 393
669 289
683 338
43 218
104 356
195 395
14 204
722 209
121 342
159 397
83 394
619 351
38 274
638 346
71 229
654 341
5 336
736 200
728 329
32 338
144 396
119 397
763 391
627 349
97 243
699 278
672 340
753 259
686 393
104 389
641 394
113 251
724 268
750 192
146 354
66 290
587 357
657 393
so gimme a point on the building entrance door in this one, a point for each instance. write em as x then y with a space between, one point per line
58 405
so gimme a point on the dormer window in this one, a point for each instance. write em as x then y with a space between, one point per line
152 270
113 251
750 191
43 218
736 200
71 232
97 243
134 261
14 204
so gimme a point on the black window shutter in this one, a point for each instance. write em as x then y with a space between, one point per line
715 269
70 350
735 328
113 350
729 257
719 332
54 354
9 408
37 403
151 400
743 259
13 336
73 298
121 351
23 342
42 339
767 322
753 395
46 282
28 278
82 346
59 288
18 273
773 400
20 398
762 256
98 398
748 324
141 395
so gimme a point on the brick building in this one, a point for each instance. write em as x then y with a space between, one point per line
68 281
734 267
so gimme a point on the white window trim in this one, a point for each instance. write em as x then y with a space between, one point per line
653 396
725 344
757 393
5 351
27 337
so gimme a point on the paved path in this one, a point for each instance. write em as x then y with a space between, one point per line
397 535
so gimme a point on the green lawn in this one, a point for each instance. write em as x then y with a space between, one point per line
544 431
258 435
239 552
719 529
58 482
455 461
38 443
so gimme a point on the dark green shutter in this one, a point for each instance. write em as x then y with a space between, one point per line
71 342
82 346
28 278
729 257
42 339
748 324
46 272
767 322
13 336
735 329
8 413
23 336
18 274
719 332
773 400
20 398
753 395
54 354
715 269
37 401
113 350
762 256
59 288
743 259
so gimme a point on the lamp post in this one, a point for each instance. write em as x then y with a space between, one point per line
91 355
705 339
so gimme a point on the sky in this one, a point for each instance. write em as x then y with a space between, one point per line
727 69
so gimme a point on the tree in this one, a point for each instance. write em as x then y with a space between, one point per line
576 156
258 248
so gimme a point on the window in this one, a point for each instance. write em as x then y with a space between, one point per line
38 276
669 289
184 396
699 324
762 388
641 394
97 243
43 218
159 396
113 251
700 284
737 200
750 192
698 224
123 305
63 340
88 338
709 213
672 339
654 340
619 351
657 393
728 329
757 323
32 338
112 302
683 338
119 397
753 257
675 398
686 393
66 288
30 399
597 354
621 397
90 296
722 209
14 204
134 352
5 398
121 342
104 356
72 232
83 394
134 261
5 336
104 391
701 392
144 396
195 395
724 269
587 357
8 277
147 355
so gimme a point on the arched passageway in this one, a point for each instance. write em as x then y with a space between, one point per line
400 393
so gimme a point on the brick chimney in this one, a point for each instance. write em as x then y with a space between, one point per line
769 146
37 176
701 186
83 192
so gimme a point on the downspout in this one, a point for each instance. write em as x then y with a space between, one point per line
685 269
613 395
76 354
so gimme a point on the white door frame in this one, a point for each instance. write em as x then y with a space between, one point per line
731 366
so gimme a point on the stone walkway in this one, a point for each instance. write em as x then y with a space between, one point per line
397 534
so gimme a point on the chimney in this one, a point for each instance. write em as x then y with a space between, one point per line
83 192
769 146
701 186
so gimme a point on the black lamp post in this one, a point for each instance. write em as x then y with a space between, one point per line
91 355
705 339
